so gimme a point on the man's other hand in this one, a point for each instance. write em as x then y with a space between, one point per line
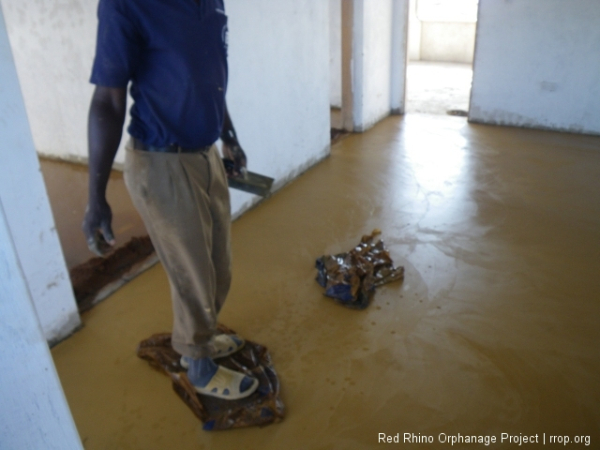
97 228
235 160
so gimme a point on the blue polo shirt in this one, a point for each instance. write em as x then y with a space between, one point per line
174 53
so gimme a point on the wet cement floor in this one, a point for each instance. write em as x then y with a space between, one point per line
494 330
67 186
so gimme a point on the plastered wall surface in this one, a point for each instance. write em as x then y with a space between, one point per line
335 52
29 218
374 55
447 42
442 31
377 53
53 45
33 411
399 56
279 85
537 65
414 33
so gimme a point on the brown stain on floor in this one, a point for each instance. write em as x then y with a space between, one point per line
97 275
494 329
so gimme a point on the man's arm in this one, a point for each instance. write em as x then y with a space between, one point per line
105 127
232 149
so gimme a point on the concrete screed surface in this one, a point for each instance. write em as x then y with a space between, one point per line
494 330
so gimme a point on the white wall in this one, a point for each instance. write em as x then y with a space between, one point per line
537 64
335 53
377 52
33 412
53 45
25 202
447 42
374 56
441 30
414 33
399 55
279 85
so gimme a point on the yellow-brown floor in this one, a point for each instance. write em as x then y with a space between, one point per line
494 330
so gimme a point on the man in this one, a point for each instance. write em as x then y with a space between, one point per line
174 54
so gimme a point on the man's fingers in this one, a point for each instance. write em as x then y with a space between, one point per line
240 157
229 166
101 241
97 229
107 233
240 162
236 154
93 245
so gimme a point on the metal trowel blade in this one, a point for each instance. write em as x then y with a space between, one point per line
253 183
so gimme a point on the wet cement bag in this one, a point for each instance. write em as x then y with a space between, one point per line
351 278
261 408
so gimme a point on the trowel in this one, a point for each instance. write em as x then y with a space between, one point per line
251 182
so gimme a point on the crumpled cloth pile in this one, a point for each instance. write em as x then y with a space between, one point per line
351 278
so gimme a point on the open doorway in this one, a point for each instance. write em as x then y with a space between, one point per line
441 46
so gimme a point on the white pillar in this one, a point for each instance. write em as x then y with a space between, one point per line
33 410
28 214
400 13
335 53
352 63
374 49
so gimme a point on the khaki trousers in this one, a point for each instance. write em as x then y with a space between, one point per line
183 200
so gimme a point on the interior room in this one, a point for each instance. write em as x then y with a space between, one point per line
490 204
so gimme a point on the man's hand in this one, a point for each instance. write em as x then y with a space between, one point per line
234 159
97 228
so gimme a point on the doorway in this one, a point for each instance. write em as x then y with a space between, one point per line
441 45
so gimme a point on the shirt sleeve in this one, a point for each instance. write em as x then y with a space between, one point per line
118 46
